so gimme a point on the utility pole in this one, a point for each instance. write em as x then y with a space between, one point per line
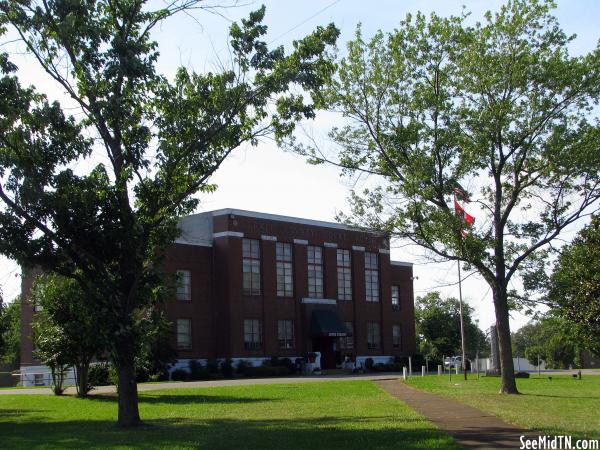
462 328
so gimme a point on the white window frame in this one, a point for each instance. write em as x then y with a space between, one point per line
252 334
184 331
397 336
371 277
344 274
184 285
315 271
285 269
373 335
285 334
395 293
251 284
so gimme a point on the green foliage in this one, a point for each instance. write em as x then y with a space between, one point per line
99 374
438 328
574 288
52 348
68 311
10 332
498 109
551 338
160 141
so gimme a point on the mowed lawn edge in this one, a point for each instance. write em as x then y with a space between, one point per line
561 405
348 414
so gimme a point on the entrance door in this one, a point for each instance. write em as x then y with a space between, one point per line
325 346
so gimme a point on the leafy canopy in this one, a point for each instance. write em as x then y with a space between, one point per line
574 288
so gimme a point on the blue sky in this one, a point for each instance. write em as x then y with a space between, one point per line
266 179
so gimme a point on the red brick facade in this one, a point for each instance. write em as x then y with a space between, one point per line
210 248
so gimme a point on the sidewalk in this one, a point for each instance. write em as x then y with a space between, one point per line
470 427
213 383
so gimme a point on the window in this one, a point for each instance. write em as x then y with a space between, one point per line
373 335
371 277
252 334
396 336
315 272
285 333
347 343
251 266
344 275
184 285
38 379
285 281
184 333
395 298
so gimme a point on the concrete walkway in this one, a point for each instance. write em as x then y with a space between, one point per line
470 427
208 384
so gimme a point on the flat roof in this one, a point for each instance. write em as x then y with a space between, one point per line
197 229
279 218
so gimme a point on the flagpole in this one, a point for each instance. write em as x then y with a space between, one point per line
460 310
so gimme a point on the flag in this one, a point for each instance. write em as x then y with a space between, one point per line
460 212
459 193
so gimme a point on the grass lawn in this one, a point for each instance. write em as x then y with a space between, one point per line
562 405
347 414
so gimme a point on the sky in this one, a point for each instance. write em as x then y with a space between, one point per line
267 179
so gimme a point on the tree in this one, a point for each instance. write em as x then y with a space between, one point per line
498 113
70 317
52 348
438 327
574 288
160 141
10 332
552 339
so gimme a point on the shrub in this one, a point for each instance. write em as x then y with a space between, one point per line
112 376
521 375
417 362
180 375
243 367
198 371
212 365
369 364
227 368
270 371
287 362
99 374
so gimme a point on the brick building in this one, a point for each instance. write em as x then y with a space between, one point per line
256 285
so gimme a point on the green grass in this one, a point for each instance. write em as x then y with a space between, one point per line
561 406
348 414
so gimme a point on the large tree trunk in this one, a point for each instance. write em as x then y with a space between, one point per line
507 368
82 370
129 415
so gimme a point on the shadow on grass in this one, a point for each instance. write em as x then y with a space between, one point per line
321 432
185 399
582 397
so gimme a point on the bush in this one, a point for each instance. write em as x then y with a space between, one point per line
369 364
417 362
112 376
198 371
244 367
270 371
99 374
521 375
180 375
227 368
212 365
